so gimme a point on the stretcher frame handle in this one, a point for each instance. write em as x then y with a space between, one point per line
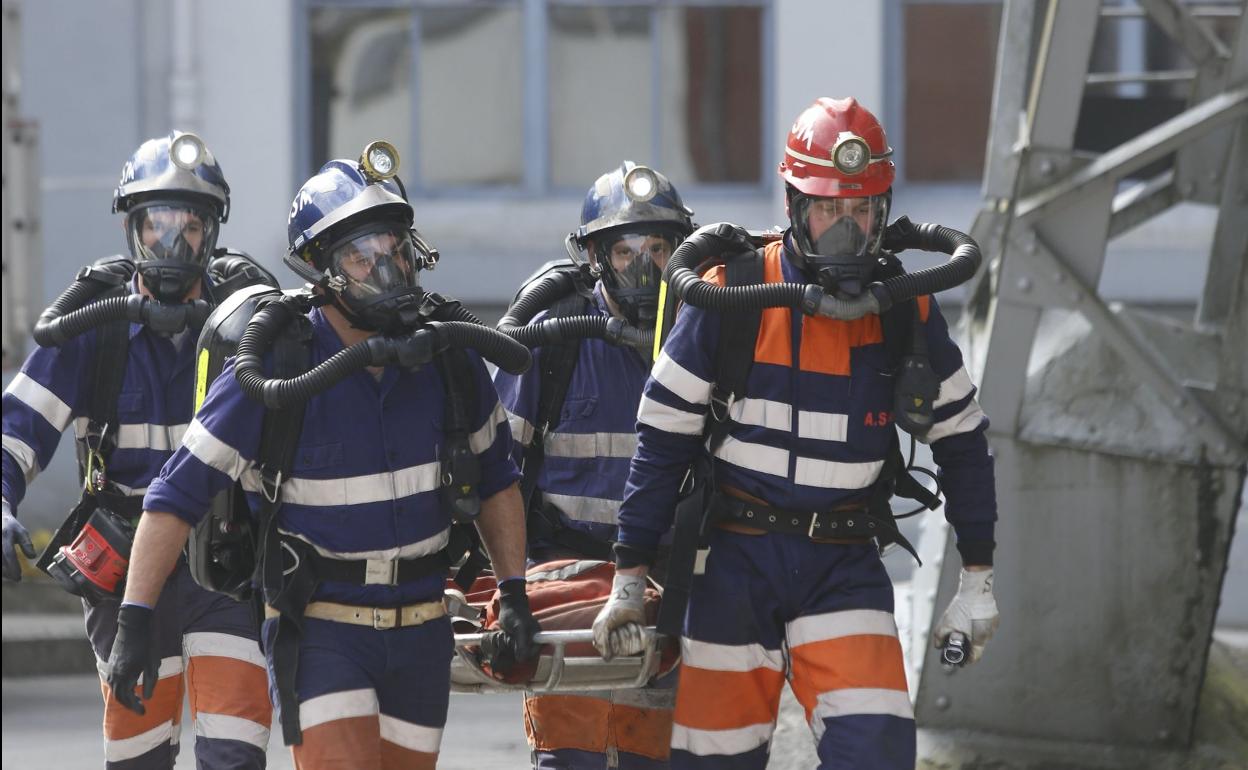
559 640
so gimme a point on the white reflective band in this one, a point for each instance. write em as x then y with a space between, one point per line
37 397
729 657
729 742
865 700
755 457
232 728
431 544
410 735
521 429
680 380
483 438
24 456
834 625
597 510
826 474
168 667
775 415
955 387
141 435
138 492
354 490
591 445
565 572
214 452
201 643
337 705
668 418
823 426
829 163
963 422
137 746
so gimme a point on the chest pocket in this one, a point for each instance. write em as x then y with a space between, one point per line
132 406
871 387
576 410
317 477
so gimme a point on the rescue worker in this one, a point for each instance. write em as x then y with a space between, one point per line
807 444
206 643
371 673
631 221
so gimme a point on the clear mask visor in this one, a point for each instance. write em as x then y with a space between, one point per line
840 227
637 260
161 233
371 263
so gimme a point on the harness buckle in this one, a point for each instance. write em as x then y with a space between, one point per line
814 524
385 618
95 476
383 572
270 485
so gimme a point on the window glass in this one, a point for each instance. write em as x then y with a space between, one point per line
601 110
471 91
711 94
361 81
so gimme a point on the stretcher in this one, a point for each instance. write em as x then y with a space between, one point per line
565 596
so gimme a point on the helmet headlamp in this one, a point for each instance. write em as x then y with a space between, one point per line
379 161
187 151
641 184
851 154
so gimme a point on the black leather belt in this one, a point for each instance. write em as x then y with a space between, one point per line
850 522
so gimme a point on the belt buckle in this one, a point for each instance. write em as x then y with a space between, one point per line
385 618
381 572
814 524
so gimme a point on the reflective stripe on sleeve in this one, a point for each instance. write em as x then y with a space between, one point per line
669 419
483 438
24 456
680 380
34 395
214 452
521 429
969 419
955 387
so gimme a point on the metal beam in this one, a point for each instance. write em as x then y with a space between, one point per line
1177 21
1227 447
1132 155
1143 202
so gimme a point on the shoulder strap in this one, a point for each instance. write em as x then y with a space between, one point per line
734 355
558 364
104 379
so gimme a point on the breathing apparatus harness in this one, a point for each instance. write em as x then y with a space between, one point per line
229 552
741 301
90 552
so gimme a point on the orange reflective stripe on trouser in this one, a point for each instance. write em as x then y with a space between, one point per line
848 662
637 722
228 688
343 731
128 735
728 697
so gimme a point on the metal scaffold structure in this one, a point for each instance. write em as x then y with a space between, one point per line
1119 433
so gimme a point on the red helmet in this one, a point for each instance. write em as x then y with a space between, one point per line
837 148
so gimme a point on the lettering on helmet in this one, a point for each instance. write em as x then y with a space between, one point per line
804 127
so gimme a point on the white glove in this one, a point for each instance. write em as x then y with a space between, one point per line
972 613
618 629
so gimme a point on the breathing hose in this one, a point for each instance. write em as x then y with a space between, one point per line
714 241
549 289
55 326
409 351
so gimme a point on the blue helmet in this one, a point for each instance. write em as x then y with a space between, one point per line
175 198
350 232
631 221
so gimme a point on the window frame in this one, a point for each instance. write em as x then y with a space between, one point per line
535 118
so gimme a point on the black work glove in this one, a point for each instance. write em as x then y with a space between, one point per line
134 653
15 536
513 642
